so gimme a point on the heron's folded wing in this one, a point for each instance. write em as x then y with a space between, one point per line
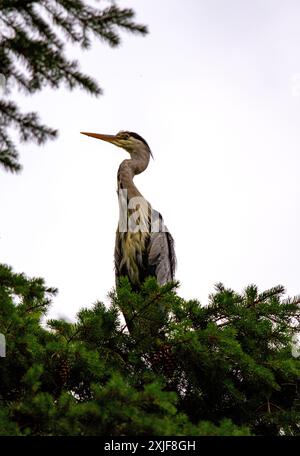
117 256
161 257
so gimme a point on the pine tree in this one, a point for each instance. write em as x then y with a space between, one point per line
32 55
226 368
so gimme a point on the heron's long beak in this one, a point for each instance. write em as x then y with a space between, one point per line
108 138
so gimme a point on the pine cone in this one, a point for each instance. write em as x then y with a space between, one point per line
163 360
63 370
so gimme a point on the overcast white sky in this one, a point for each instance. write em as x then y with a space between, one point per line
214 89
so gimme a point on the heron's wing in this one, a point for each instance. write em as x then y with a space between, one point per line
117 256
161 256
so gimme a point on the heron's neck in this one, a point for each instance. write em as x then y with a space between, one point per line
127 170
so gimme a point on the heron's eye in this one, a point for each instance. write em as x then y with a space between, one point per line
125 136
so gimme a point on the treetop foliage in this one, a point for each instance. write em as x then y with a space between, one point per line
184 369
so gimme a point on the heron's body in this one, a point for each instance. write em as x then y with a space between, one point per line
145 253
144 247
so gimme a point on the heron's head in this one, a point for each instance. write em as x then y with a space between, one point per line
128 140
